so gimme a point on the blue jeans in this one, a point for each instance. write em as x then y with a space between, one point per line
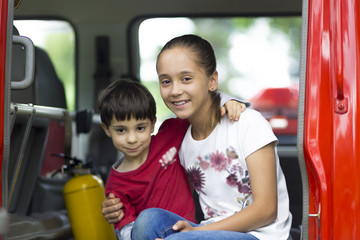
157 223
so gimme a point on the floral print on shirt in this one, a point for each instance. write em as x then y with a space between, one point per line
237 176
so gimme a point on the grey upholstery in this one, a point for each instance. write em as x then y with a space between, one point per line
30 217
47 89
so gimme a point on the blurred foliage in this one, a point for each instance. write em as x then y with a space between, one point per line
291 27
219 31
162 112
61 49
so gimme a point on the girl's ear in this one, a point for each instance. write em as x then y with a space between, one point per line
213 82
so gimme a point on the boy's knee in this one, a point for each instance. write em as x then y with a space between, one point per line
152 223
147 216
144 224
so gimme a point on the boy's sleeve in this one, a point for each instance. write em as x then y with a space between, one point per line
128 209
129 215
225 98
112 186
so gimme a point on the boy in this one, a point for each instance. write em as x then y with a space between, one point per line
150 174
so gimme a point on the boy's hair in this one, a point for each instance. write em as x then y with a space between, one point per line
124 99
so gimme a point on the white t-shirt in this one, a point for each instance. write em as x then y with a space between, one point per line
219 172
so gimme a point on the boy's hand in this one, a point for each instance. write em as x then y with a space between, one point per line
234 110
111 208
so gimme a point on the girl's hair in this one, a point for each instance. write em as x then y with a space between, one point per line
204 57
124 99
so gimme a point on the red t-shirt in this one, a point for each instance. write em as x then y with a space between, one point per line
159 182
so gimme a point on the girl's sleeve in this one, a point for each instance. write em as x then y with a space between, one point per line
255 133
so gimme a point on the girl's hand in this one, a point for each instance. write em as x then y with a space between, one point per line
111 208
183 226
234 110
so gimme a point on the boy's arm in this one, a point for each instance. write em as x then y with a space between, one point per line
226 98
234 107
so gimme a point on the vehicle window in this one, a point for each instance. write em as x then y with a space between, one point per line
258 60
57 38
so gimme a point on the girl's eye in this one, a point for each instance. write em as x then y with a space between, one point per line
186 79
165 82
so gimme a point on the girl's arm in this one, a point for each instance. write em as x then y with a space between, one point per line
111 208
263 210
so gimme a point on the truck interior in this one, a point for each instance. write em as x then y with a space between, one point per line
78 47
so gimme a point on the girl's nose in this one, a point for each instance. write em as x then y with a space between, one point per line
176 89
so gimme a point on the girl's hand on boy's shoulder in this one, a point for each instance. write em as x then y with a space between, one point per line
234 109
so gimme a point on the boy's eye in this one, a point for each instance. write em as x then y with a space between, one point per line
185 79
120 130
141 129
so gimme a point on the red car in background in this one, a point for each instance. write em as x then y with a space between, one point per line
280 107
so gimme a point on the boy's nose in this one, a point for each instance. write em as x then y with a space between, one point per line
131 138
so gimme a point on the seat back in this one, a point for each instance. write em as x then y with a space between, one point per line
45 136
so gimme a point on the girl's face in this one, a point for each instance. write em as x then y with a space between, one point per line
184 85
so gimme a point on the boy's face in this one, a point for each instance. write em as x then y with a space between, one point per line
131 137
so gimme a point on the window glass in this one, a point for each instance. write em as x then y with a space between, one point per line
257 57
57 38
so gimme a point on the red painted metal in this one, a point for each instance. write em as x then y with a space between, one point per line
332 121
3 24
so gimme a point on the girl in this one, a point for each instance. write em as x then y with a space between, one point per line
234 167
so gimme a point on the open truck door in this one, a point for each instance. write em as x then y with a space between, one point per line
329 119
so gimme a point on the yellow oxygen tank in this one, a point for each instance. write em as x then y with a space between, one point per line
83 197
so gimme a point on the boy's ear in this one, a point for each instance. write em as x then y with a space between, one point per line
106 129
213 82
153 125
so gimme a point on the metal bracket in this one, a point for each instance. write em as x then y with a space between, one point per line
317 215
341 105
